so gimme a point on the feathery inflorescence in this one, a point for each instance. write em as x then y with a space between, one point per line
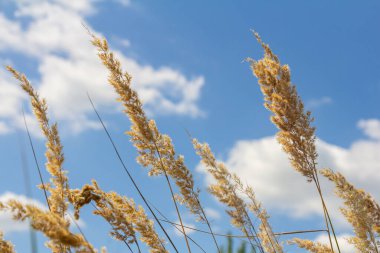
155 149
296 134
121 213
361 210
54 153
268 239
225 190
50 224
313 247
58 188
5 246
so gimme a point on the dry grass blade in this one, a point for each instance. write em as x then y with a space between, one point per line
28 191
178 227
243 236
36 162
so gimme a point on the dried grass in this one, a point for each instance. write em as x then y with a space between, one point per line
130 223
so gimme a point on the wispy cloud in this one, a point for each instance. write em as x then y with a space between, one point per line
318 102
68 67
371 127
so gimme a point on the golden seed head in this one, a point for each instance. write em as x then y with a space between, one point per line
360 209
50 224
313 247
156 150
296 135
121 213
224 188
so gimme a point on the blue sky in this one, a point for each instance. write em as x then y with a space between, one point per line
187 62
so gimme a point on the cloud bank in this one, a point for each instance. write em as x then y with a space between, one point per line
262 164
50 32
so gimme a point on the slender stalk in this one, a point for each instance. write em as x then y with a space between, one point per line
256 238
175 225
248 236
209 226
43 184
36 161
202 210
243 236
371 235
79 229
173 198
266 229
125 242
129 174
325 217
28 189
316 179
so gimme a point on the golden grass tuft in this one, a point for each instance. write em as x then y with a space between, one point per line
50 224
122 214
313 247
360 209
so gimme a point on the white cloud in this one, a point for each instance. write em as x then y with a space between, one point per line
318 102
262 164
68 67
212 214
371 127
343 244
123 42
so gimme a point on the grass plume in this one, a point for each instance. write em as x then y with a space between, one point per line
296 134
122 214
360 210
156 150
52 225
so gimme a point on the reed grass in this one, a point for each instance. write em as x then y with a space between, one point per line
131 224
